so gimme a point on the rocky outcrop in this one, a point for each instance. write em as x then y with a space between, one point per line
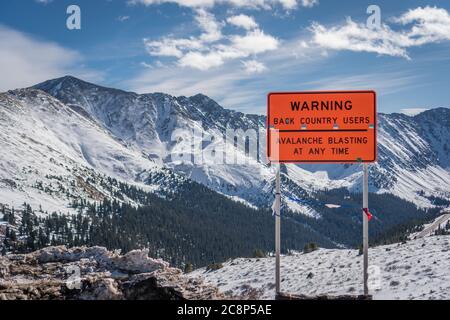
59 273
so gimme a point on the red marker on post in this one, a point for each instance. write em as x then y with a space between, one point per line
367 212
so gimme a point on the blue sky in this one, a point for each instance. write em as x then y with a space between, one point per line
235 51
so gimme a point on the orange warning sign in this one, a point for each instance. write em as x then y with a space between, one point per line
328 127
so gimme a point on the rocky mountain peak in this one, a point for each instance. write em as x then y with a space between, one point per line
409 147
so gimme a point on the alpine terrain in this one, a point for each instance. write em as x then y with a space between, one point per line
78 159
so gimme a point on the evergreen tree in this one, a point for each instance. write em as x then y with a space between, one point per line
188 268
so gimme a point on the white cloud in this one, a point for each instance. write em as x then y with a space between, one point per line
211 27
168 47
44 1
420 26
255 4
253 66
243 21
309 3
233 86
246 52
254 42
173 47
211 48
146 65
429 24
201 61
237 47
357 37
123 18
184 3
25 61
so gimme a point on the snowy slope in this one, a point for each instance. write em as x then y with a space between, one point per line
418 269
430 228
52 154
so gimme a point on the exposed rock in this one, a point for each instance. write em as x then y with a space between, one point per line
138 261
59 273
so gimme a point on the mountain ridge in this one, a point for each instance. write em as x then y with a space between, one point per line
146 124
70 142
42 86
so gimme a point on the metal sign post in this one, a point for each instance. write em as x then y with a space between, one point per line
322 127
366 227
277 228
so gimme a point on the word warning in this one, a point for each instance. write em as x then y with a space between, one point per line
328 127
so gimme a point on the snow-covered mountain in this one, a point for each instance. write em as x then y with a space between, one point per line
413 158
414 152
415 270
159 126
52 153
64 129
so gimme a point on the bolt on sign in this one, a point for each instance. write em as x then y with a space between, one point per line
326 127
